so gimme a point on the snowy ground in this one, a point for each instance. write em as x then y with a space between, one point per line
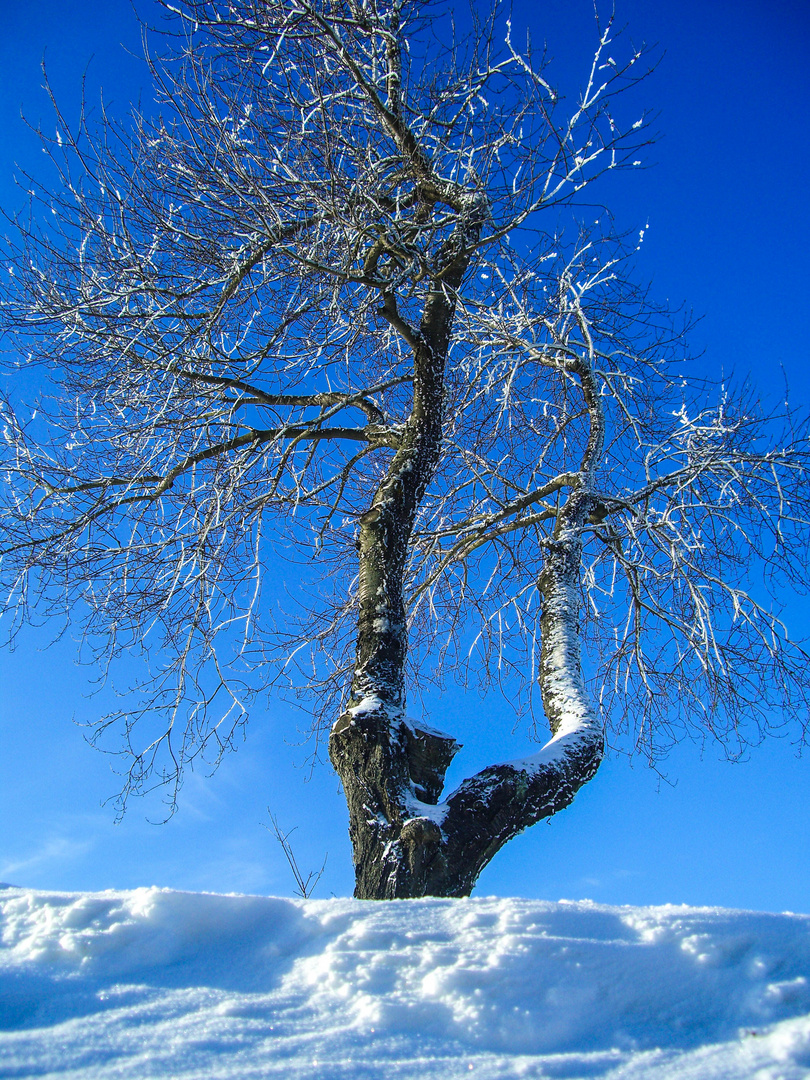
155 983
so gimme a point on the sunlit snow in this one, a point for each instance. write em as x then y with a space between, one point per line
156 983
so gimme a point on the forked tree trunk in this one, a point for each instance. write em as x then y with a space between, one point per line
406 842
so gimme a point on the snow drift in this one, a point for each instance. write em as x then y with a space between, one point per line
156 983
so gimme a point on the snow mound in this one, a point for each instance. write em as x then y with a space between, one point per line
156 983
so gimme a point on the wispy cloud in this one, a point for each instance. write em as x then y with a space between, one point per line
56 849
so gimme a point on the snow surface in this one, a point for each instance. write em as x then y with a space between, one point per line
157 983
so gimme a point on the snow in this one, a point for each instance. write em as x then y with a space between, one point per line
567 740
435 812
427 729
575 721
157 983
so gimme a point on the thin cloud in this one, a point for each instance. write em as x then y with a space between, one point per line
56 849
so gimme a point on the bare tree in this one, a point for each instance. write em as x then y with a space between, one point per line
332 296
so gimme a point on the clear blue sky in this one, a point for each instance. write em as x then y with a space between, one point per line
729 235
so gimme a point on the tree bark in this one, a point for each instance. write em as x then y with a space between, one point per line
383 761
408 844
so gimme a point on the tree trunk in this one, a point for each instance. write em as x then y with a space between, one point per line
408 844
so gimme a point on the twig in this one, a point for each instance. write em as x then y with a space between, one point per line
305 885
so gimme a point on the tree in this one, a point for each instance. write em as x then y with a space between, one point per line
334 296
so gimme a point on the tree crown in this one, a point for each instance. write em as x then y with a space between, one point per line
239 302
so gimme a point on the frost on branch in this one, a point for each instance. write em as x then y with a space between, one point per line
335 307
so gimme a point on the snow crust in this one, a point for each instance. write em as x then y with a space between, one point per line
437 813
564 695
428 729
567 740
156 983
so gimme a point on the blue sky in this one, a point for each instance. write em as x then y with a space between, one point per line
728 236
